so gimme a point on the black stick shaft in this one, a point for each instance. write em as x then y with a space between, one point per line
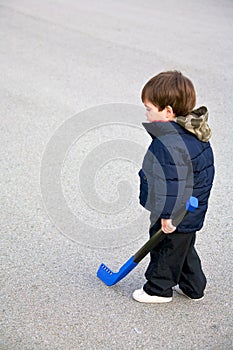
148 246
156 239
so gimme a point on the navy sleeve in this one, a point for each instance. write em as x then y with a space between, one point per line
169 177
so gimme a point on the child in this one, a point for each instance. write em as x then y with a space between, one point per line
179 163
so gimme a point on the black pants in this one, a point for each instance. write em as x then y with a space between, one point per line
175 261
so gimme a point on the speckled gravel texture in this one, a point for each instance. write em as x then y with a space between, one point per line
58 59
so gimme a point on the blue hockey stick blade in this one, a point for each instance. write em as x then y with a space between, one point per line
110 278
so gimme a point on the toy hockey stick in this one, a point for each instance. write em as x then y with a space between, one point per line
110 278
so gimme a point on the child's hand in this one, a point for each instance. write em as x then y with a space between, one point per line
167 226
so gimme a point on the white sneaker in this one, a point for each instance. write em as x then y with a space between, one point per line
179 291
141 296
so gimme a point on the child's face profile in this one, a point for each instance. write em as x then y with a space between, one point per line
153 114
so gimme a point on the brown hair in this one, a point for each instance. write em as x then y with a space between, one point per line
173 89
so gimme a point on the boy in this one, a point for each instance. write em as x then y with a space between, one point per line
179 163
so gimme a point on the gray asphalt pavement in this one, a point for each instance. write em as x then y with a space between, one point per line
71 145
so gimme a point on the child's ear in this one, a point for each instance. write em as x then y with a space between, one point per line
169 113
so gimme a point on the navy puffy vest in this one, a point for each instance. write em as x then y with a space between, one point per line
176 166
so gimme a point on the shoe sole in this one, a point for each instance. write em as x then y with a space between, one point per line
152 302
158 300
180 292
